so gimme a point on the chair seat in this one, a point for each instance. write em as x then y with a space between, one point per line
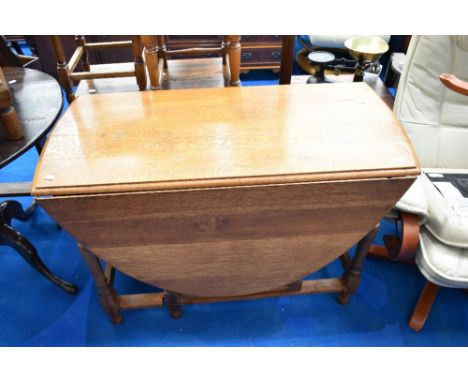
445 221
195 73
442 264
414 201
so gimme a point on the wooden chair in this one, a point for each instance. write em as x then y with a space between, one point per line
186 73
67 74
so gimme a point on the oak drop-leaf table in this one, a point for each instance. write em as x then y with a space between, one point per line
224 194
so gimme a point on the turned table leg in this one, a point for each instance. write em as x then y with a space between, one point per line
352 276
12 238
106 293
172 302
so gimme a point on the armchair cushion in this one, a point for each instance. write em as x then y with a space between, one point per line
414 201
446 220
442 264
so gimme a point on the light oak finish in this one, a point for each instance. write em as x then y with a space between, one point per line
223 137
229 241
219 194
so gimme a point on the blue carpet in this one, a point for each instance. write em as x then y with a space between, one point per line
36 313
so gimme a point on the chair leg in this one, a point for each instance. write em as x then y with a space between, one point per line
15 240
140 70
152 60
81 41
423 307
62 68
234 50
162 49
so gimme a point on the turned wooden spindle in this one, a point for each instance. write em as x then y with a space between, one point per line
62 68
107 296
81 41
152 61
11 124
234 49
8 116
352 276
140 70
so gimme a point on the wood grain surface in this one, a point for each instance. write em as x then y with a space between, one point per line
226 241
222 137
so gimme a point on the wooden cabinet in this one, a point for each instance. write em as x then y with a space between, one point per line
260 52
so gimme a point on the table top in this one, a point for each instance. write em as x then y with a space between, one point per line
37 98
197 138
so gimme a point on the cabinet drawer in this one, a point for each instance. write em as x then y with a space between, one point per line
260 40
260 57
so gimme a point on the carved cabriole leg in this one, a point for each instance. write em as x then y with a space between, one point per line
11 123
62 68
140 70
81 41
172 302
234 50
107 295
8 236
352 276
162 49
152 60
423 307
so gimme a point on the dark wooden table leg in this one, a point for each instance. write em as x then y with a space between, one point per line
107 295
8 236
172 302
352 276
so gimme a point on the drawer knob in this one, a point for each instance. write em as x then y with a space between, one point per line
246 55
275 54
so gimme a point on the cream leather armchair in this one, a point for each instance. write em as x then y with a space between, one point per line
434 113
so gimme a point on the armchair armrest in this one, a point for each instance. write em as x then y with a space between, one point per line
454 83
